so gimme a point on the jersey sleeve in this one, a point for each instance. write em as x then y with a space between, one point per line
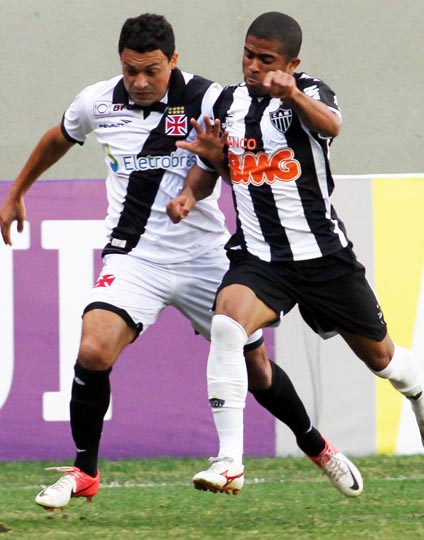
76 124
318 89
208 109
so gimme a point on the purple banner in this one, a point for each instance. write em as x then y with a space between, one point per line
159 399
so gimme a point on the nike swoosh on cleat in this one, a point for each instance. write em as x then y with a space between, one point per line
355 485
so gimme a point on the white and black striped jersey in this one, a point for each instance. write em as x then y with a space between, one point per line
146 169
280 175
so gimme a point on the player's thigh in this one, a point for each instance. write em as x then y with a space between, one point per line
347 304
134 289
240 302
252 294
195 292
198 281
375 354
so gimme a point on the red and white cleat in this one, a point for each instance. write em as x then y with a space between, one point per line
74 483
342 473
224 475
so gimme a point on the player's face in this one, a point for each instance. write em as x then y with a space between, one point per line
261 56
147 75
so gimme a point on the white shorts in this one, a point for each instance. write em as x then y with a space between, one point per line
139 290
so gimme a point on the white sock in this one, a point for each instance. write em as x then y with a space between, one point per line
229 425
403 372
227 384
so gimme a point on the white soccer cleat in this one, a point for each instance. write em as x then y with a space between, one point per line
341 472
224 475
74 483
417 404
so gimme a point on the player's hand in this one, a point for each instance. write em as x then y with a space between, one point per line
179 208
209 142
281 85
11 210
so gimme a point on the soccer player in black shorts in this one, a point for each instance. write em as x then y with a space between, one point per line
290 247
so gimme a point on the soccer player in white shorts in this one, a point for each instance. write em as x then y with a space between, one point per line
138 117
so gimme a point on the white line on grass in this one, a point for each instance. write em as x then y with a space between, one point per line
128 484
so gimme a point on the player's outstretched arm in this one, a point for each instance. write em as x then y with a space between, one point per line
51 147
198 185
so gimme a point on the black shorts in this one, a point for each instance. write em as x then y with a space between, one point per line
332 292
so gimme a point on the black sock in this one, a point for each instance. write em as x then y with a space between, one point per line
89 403
311 442
283 402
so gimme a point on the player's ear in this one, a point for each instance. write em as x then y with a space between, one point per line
173 61
292 65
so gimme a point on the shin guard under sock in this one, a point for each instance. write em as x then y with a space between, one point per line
89 402
227 384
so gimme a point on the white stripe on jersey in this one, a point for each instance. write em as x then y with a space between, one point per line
288 200
322 182
280 176
255 241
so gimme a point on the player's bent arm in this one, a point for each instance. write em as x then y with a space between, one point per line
200 182
316 116
51 147
198 185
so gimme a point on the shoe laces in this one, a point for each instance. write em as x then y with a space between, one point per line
67 481
333 466
218 464
66 468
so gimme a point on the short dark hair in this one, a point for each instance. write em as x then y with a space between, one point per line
147 32
276 26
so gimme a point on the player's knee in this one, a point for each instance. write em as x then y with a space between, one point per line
378 356
93 355
227 333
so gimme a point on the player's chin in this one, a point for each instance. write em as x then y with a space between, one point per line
256 89
144 99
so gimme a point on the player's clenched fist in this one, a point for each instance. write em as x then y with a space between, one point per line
281 84
179 207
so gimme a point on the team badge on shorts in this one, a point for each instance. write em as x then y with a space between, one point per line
380 315
176 123
281 119
105 281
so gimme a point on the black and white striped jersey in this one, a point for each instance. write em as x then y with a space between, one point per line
146 169
280 175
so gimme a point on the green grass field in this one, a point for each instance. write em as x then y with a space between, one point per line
284 498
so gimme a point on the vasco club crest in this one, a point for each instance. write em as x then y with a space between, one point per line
281 119
176 123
